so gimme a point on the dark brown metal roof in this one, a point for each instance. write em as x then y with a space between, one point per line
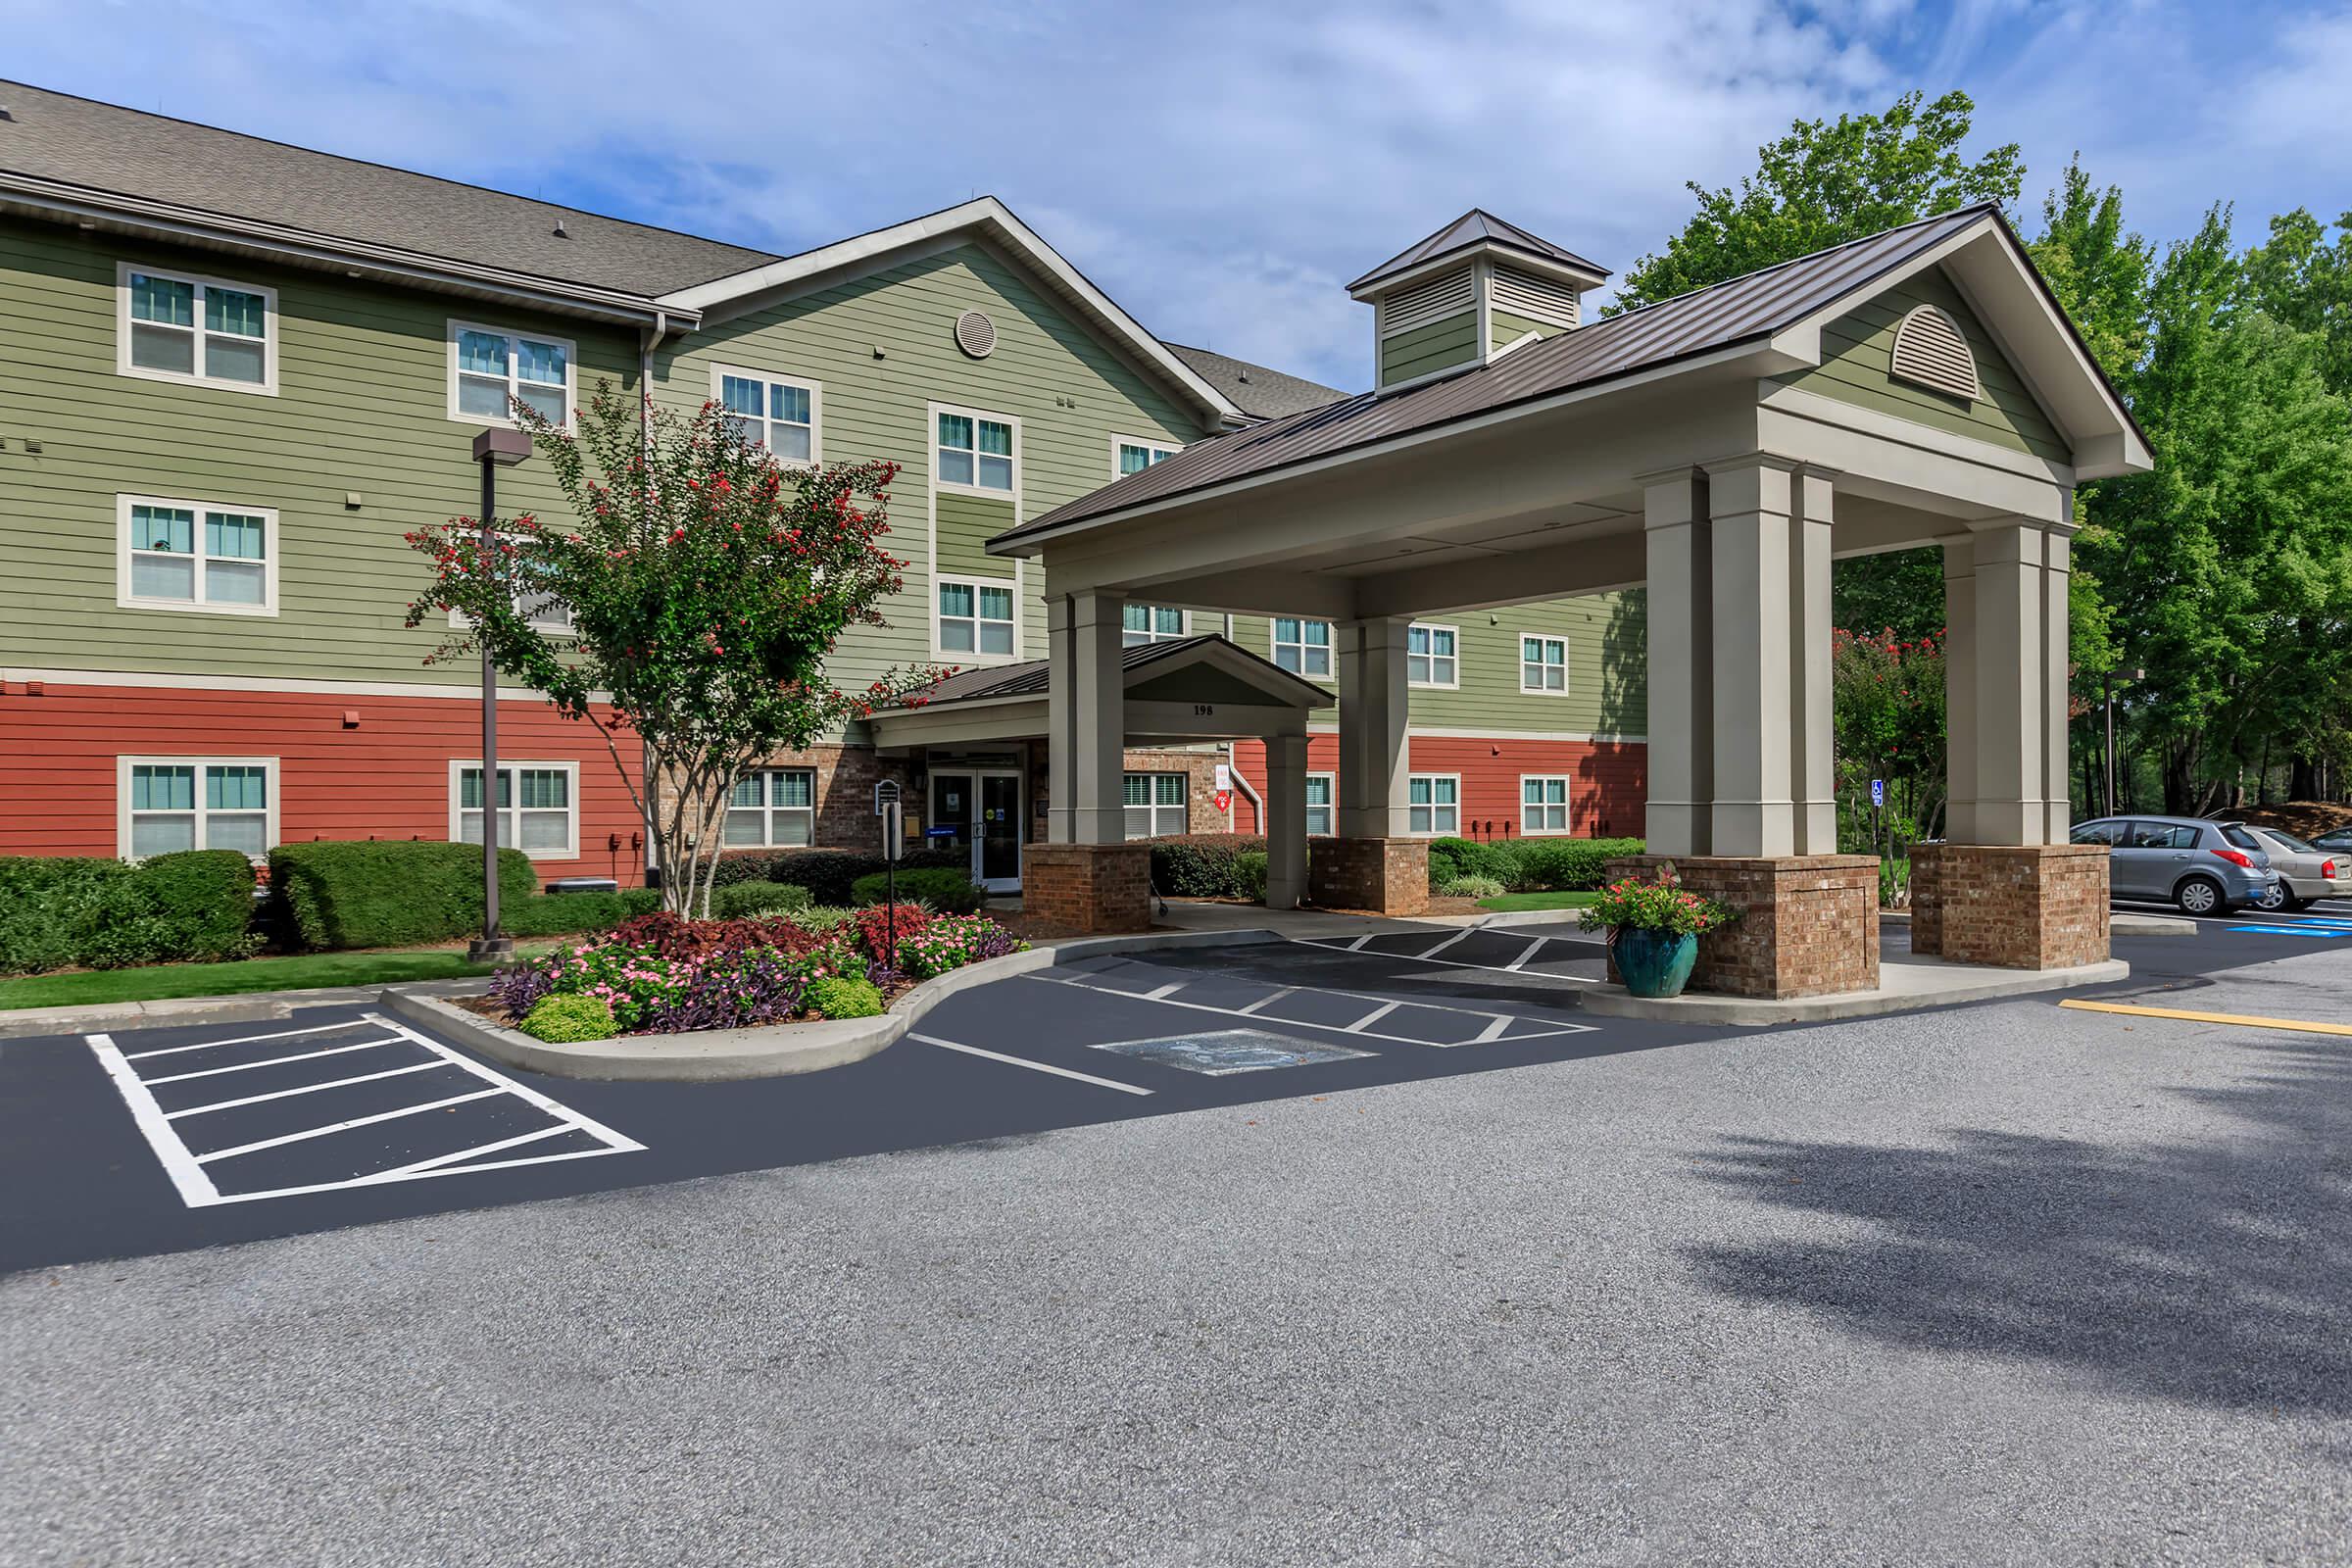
1683 327
1028 678
1256 391
1475 228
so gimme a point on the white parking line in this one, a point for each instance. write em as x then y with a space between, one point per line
1266 1001
1533 948
307 1089
273 1062
241 1040
1513 967
1357 1028
1033 1066
1373 1018
308 1133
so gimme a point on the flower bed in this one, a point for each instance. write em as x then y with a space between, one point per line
665 974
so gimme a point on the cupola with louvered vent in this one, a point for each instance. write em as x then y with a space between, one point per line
1475 290
1930 350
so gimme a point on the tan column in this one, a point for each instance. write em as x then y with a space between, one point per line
1812 757
1680 721
1374 710
1286 820
1753 813
1086 703
2010 730
1960 690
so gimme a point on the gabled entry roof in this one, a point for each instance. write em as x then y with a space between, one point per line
1029 678
1783 304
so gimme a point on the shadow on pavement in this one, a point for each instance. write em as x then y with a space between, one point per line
2207 1270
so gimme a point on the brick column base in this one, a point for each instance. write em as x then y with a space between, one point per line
1808 924
2020 907
1386 876
1091 887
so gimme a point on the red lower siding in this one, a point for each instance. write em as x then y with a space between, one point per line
1608 780
387 778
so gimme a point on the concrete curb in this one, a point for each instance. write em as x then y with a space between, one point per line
772 1051
1922 982
260 1007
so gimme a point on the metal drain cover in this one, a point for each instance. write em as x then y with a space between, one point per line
1225 1051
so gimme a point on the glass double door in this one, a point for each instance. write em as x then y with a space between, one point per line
979 813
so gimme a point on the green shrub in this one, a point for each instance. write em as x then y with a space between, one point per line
943 890
1470 887
561 914
827 874
745 901
567 1017
57 912
1203 866
1529 866
387 893
1449 859
1250 874
839 995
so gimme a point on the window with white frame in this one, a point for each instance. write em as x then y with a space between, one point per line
1543 664
1544 803
192 555
539 606
776 412
1433 804
975 452
1303 647
538 808
490 369
774 807
170 803
1134 455
1150 624
1430 658
975 617
1156 803
182 327
1322 796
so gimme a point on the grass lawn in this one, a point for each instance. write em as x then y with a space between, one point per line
155 982
1538 901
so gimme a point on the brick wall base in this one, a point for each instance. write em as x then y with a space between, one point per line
2029 907
1386 876
1091 887
1808 924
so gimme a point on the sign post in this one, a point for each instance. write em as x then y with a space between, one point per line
893 847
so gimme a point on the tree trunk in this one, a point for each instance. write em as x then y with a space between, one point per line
2303 779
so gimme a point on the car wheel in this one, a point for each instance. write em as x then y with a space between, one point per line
2274 899
2200 895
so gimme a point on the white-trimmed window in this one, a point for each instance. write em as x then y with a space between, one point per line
1431 657
545 611
538 808
179 326
168 804
781 412
1156 803
1433 804
1543 665
1322 802
774 807
1134 454
975 451
489 368
1303 647
195 554
976 617
1543 803
1150 624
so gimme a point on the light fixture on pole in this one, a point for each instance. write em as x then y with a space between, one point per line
493 450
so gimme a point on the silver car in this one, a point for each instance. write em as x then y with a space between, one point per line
2306 871
2204 867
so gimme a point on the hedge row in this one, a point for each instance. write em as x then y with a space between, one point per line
392 894
1205 865
63 912
948 892
1528 865
830 875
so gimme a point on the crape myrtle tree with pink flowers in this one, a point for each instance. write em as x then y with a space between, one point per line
705 583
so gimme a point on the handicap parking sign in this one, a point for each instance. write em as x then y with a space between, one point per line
1878 792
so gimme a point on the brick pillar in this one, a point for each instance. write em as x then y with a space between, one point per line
2017 906
1090 888
1808 923
1386 876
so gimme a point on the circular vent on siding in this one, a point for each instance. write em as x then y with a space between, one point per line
975 334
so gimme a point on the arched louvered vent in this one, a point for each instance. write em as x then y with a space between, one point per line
1424 303
1930 351
975 334
1539 299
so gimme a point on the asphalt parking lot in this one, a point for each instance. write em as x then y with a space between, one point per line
162 1139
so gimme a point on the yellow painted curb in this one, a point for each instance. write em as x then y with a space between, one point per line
2299 1025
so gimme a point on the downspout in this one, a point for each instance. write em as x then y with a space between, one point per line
1241 782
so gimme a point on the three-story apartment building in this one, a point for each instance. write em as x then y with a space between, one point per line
233 373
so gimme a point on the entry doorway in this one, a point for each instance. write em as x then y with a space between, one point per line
977 811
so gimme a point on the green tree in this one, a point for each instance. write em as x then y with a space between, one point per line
1823 184
706 586
2098 270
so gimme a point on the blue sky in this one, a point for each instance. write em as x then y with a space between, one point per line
1222 169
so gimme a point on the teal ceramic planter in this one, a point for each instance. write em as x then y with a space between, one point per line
1654 964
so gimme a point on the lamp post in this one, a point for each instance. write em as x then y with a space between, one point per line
2107 692
493 450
